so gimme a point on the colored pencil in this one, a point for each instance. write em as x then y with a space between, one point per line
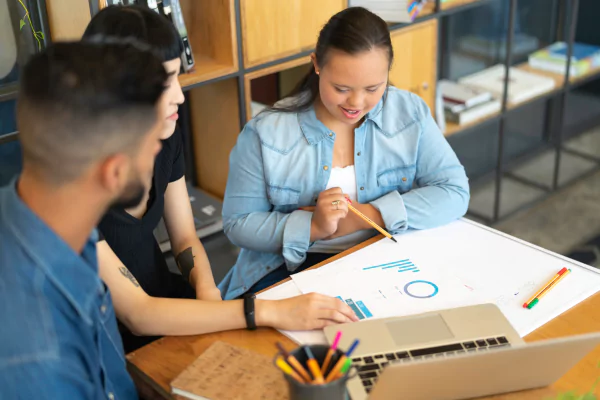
331 352
293 362
545 292
340 364
285 367
369 221
546 286
313 366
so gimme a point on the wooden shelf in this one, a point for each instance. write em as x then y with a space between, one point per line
211 31
452 128
457 3
215 128
268 71
206 68
273 29
417 43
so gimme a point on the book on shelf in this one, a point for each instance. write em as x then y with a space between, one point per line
392 10
455 94
553 58
468 115
522 85
172 9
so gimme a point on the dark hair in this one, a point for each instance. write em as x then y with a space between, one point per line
353 31
140 23
81 101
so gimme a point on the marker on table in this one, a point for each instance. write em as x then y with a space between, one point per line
546 286
554 283
313 366
369 221
345 368
288 370
331 352
293 362
340 364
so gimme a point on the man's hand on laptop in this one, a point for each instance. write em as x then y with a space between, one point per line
306 312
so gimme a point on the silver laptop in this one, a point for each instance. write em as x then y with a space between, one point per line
435 355
207 212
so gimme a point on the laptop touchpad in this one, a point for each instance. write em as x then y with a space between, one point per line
411 331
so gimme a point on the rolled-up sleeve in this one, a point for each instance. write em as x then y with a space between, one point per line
248 219
441 194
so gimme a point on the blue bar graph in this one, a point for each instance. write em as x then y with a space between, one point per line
401 265
355 309
385 265
413 269
364 309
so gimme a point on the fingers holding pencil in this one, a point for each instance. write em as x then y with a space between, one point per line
369 220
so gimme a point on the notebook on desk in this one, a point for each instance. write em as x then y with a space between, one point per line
227 372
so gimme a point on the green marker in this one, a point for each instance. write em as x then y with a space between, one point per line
533 303
346 367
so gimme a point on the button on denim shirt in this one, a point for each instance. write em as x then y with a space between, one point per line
404 167
59 338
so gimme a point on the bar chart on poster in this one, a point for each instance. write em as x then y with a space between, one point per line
391 287
456 265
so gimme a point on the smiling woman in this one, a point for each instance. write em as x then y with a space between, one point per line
344 133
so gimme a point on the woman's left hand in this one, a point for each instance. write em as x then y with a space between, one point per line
351 223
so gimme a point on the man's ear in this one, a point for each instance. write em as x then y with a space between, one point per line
114 173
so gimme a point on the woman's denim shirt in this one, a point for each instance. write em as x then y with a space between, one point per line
282 161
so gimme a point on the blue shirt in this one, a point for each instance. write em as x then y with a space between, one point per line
404 167
59 338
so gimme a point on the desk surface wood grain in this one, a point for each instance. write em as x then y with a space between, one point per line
154 366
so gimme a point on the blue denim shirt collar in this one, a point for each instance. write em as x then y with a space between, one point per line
75 275
314 130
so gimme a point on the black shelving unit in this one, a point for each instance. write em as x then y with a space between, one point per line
556 100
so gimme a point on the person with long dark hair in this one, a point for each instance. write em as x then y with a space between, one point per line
344 133
149 299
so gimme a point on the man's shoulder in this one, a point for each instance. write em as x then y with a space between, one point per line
28 331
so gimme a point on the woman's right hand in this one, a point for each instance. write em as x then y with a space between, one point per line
331 208
302 313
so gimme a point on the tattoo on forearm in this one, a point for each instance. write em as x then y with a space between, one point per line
127 274
185 263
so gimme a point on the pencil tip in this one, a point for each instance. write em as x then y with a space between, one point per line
395 241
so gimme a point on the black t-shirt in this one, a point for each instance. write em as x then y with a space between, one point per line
133 240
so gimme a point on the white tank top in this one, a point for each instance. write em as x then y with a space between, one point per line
344 178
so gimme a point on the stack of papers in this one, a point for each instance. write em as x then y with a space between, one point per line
472 264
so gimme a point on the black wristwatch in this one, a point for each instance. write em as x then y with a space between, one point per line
249 311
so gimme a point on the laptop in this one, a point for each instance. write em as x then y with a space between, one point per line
207 212
457 353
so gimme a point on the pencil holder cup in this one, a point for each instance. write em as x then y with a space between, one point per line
334 390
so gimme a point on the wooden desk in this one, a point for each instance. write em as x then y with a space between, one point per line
154 366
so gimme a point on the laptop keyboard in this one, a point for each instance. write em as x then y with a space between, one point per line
370 367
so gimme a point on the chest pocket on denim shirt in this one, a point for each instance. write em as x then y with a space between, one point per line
400 179
284 199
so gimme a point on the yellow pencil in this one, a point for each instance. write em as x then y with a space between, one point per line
545 292
369 221
546 286
288 370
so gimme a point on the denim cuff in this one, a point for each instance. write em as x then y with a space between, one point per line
392 209
296 238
